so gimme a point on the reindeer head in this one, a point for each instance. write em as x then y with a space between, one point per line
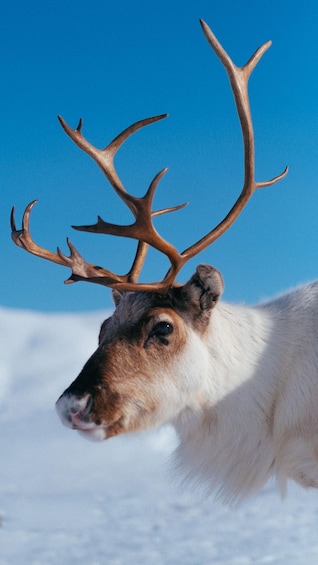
143 372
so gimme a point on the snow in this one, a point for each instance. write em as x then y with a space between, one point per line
65 500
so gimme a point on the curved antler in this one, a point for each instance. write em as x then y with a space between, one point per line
142 228
239 77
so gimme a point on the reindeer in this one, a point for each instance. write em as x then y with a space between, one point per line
239 384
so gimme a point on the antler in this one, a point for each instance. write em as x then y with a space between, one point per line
142 229
239 77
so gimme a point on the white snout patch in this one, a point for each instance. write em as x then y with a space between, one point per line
96 434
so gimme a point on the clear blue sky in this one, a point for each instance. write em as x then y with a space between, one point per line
115 62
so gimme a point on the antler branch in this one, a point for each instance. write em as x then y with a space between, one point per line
239 77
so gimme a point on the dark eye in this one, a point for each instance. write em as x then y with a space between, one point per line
161 330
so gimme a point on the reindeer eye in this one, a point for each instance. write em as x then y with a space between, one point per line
161 330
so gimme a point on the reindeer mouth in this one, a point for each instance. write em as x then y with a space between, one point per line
99 433
87 429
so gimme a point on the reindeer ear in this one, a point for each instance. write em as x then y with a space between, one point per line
116 296
204 288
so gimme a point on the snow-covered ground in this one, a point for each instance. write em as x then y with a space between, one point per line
64 500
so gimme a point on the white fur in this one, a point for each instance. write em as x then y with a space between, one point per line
254 413
239 384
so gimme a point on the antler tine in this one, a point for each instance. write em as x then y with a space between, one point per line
105 157
22 238
138 262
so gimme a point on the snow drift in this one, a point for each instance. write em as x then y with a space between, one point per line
64 499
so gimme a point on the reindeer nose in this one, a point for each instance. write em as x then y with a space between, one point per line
81 407
74 409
